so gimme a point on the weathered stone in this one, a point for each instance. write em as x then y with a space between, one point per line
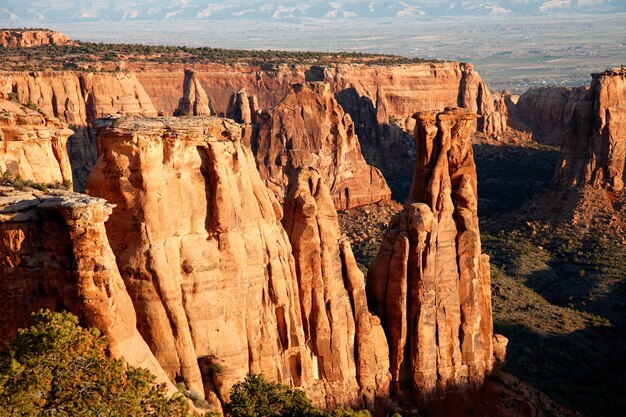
32 145
594 146
347 341
430 284
309 128
54 253
194 101
28 38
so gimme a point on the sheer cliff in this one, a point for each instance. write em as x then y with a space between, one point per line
209 267
429 283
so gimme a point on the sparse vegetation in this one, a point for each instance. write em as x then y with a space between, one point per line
79 54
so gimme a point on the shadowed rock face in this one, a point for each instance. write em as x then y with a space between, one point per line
546 111
309 128
194 101
348 342
594 145
54 253
430 284
243 109
33 145
199 243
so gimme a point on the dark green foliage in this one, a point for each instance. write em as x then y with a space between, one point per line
256 397
57 368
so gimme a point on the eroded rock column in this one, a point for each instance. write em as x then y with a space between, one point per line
430 284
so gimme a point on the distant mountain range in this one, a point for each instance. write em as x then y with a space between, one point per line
66 11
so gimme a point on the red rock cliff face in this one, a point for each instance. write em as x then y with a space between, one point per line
54 253
546 111
77 99
309 128
347 340
33 145
594 145
199 243
28 38
429 283
408 88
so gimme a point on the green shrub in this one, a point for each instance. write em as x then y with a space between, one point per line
58 368
256 397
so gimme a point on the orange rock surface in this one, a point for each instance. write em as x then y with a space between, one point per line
54 253
29 38
309 128
347 341
429 283
33 145
594 145
194 101
209 266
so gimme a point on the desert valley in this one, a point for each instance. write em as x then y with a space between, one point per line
378 232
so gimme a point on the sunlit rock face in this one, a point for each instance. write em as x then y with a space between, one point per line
430 283
594 144
309 128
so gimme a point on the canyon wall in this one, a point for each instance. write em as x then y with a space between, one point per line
54 254
33 145
77 99
209 267
429 283
29 38
593 148
546 112
309 128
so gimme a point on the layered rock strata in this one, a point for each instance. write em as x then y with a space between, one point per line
33 145
54 253
347 340
29 38
594 145
243 109
309 128
546 112
430 284
199 243
77 99
194 101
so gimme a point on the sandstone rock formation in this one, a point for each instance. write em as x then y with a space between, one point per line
430 284
27 38
594 146
546 111
347 340
209 267
78 99
243 109
54 253
309 128
33 145
194 101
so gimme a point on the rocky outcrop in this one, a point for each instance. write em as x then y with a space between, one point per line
309 128
546 111
77 99
199 243
594 145
347 341
33 145
10 38
430 284
243 109
194 101
54 253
